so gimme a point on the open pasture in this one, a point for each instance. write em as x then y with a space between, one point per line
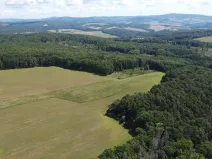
65 119
25 82
100 24
205 39
135 29
92 33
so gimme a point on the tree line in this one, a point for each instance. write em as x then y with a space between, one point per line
70 52
172 121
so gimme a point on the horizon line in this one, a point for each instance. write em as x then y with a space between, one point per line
103 16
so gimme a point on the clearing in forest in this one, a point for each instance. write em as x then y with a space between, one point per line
81 32
205 39
135 29
57 113
100 24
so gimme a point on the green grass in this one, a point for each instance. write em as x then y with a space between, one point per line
110 88
88 24
24 82
66 122
81 32
205 39
129 73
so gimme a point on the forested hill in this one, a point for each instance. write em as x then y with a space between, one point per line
133 25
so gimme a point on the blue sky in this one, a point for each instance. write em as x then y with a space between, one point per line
85 8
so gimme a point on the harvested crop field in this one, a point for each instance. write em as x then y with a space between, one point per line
66 122
22 82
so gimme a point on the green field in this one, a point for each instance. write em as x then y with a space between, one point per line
55 113
81 32
205 39
129 73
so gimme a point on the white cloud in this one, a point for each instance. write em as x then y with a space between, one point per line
75 2
80 8
14 2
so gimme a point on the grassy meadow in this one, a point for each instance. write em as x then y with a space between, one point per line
51 113
31 81
81 32
205 39
135 29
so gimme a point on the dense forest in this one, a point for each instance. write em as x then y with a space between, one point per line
96 55
172 121
67 51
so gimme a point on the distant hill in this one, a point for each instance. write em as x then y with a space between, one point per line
131 25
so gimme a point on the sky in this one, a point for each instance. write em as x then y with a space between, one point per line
31 9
